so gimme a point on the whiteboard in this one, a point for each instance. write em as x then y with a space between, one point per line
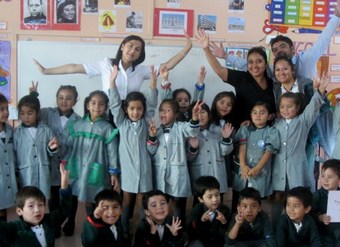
51 54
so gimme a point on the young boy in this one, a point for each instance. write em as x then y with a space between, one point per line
158 229
296 227
330 180
35 228
208 219
103 228
250 226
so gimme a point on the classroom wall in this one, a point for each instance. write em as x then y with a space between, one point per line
254 16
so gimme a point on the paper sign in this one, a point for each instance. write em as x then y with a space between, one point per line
333 205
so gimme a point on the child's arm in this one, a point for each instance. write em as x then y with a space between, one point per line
166 91
226 144
243 161
112 152
200 86
253 172
151 94
239 218
115 102
152 143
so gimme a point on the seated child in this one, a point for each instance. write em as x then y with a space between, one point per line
296 227
208 219
250 226
158 229
35 228
103 227
330 180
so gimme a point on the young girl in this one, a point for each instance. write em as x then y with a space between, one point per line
132 122
336 129
93 163
8 185
222 108
33 144
166 145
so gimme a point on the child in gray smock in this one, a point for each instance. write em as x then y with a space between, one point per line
336 129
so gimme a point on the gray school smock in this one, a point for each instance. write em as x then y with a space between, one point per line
336 129
33 157
258 141
8 184
169 159
134 160
51 117
94 152
210 158
290 163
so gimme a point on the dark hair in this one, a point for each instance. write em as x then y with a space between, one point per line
68 87
31 102
215 118
148 195
135 96
249 193
108 195
204 183
3 99
288 60
298 98
264 104
173 103
119 54
259 50
180 90
301 193
204 107
281 38
26 193
91 95
332 164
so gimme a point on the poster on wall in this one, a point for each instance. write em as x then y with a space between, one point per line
122 3
5 63
134 21
107 21
35 14
90 6
66 15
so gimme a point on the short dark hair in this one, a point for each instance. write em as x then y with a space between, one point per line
298 98
68 87
148 195
26 193
281 38
135 96
332 164
301 193
108 195
204 183
180 90
31 102
249 193
3 99
173 103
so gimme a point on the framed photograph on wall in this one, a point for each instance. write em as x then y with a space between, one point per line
34 14
173 22
66 15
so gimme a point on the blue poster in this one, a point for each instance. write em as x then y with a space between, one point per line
5 63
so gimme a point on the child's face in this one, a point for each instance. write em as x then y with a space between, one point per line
183 100
329 179
33 211
166 114
135 110
259 116
158 209
111 212
288 108
203 117
224 106
96 106
28 116
295 209
4 113
65 101
211 199
249 209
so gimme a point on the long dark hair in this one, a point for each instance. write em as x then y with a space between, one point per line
135 96
214 114
91 95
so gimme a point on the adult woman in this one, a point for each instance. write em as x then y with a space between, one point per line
131 74
251 86
66 11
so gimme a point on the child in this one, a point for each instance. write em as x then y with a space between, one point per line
167 148
221 108
132 122
250 226
208 219
330 181
158 229
35 228
8 184
33 144
103 227
93 162
296 227
336 129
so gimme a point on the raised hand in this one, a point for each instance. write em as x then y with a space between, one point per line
34 87
153 226
201 75
152 127
220 217
217 50
227 130
239 217
113 76
153 77
98 212
175 226
203 38
196 110
40 67
164 73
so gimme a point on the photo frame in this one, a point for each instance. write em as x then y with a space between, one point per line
173 22
68 20
35 15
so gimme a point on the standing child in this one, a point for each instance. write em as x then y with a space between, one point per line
167 148
93 162
221 108
34 144
296 227
158 228
330 181
209 219
8 184
336 129
35 228
250 226
103 227
132 122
